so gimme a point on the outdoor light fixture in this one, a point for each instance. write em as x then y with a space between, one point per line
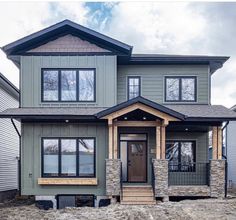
125 118
186 129
66 121
144 118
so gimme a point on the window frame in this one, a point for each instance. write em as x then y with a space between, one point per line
180 78
60 154
60 87
179 154
128 85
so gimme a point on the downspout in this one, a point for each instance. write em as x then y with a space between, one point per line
19 160
225 157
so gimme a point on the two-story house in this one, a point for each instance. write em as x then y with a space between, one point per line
101 122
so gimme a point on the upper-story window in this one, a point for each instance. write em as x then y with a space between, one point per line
180 89
61 85
133 87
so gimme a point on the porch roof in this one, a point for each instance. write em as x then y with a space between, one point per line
193 112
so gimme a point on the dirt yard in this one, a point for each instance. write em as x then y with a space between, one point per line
187 209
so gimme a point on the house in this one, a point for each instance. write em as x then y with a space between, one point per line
101 122
9 141
231 152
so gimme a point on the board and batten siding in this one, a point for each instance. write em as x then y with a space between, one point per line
32 134
231 153
153 79
9 145
106 71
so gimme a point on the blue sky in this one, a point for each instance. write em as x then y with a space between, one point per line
164 27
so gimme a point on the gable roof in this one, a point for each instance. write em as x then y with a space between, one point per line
9 87
144 101
61 29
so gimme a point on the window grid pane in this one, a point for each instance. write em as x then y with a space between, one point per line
50 85
172 89
86 157
50 150
86 85
68 157
134 87
68 85
188 89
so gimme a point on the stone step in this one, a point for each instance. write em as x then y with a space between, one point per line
138 203
138 198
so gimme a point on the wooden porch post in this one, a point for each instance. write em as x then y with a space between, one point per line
216 143
158 142
219 143
115 130
163 142
110 138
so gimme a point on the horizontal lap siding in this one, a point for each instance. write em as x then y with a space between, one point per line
152 80
231 152
31 151
106 71
9 145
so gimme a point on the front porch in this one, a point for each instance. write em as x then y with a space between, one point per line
143 145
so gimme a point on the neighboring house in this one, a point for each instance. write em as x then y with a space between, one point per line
101 122
9 141
231 152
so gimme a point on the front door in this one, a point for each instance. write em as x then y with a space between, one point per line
137 161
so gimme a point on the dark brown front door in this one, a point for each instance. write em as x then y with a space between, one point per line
137 161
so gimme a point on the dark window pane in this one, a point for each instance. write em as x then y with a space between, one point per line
66 201
187 152
68 157
172 89
134 87
50 85
84 200
188 89
50 154
68 85
86 85
172 154
86 157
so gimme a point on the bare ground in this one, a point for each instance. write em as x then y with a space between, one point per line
188 209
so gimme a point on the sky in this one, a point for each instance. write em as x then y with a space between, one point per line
196 28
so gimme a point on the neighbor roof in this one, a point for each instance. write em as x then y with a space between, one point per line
9 87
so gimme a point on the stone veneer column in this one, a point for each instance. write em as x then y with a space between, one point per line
113 169
160 167
217 178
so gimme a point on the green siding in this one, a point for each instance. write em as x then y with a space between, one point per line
152 80
106 71
31 156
